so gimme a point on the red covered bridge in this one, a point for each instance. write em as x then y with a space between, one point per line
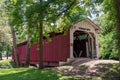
80 41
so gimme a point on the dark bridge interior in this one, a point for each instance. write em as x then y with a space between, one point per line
79 45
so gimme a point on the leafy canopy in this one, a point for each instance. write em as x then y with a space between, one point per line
57 16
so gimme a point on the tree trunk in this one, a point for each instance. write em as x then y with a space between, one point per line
28 52
15 47
117 8
40 45
7 52
7 55
40 38
0 56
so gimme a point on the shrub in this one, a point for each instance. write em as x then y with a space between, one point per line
7 64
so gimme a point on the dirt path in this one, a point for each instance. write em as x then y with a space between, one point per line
87 67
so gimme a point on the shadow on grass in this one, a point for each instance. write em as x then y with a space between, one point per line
109 71
82 70
30 74
99 72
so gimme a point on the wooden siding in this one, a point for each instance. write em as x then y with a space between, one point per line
53 52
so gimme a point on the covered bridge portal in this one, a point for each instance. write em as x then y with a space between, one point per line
80 41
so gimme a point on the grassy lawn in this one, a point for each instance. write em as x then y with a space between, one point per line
103 72
28 74
32 74
8 72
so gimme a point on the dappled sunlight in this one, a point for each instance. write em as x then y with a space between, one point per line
109 71
11 71
29 74
90 70
93 70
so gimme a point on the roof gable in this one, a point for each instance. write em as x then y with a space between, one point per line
86 25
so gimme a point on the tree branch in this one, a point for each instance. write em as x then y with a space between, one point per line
67 8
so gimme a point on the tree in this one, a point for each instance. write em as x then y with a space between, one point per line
28 50
39 17
5 39
117 9
6 16
5 36
110 23
15 47
51 12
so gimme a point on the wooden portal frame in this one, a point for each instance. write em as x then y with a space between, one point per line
92 30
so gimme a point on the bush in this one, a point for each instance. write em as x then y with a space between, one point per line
5 64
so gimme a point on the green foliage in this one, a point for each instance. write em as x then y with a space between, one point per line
5 64
35 19
5 36
92 7
108 39
108 49
57 16
5 39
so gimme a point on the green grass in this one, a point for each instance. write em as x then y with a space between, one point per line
31 74
8 72
104 72
109 71
28 74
